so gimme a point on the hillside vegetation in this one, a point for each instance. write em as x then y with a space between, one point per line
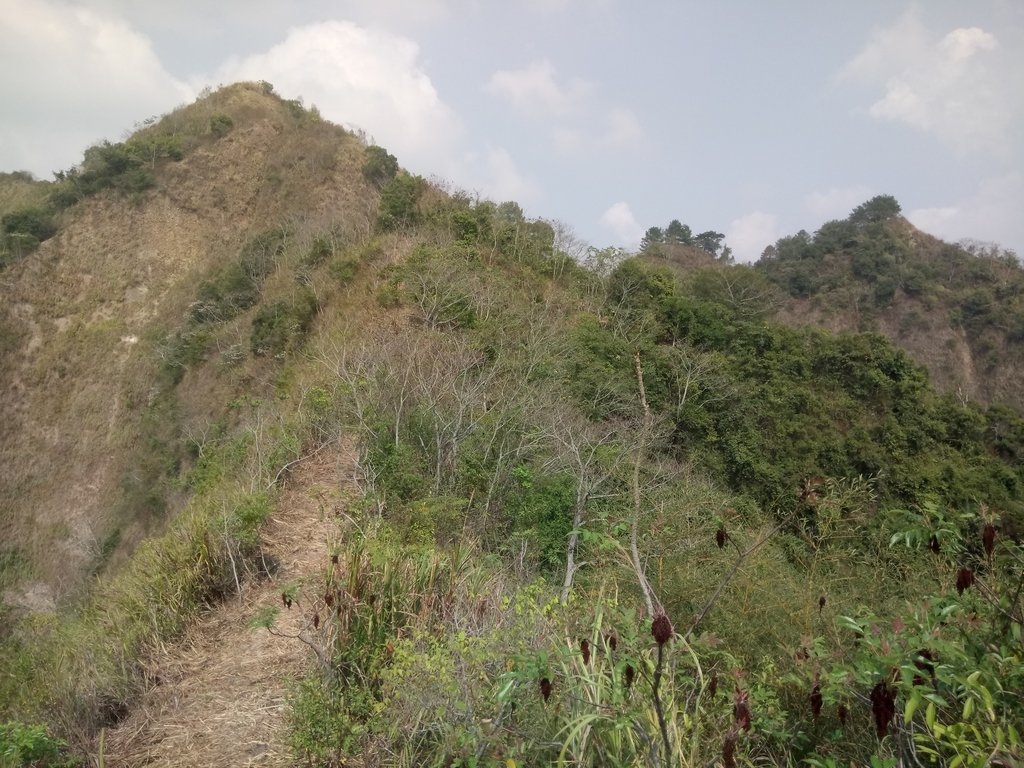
611 510
956 309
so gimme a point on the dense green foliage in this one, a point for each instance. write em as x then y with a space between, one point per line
380 166
280 326
398 199
679 234
221 124
30 745
22 230
126 167
767 406
873 260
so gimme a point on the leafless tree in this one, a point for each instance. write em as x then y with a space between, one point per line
593 454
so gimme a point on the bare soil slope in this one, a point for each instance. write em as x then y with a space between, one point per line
83 320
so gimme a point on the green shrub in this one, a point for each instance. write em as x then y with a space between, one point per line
398 202
36 222
380 166
321 250
237 287
126 167
280 326
327 720
31 745
542 510
344 270
221 124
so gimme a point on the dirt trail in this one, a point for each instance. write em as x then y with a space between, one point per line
219 694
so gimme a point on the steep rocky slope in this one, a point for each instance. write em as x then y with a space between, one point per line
86 318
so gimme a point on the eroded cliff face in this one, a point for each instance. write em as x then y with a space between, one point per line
85 318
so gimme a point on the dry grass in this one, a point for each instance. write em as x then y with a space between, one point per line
218 697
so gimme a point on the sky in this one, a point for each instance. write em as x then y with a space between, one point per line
750 118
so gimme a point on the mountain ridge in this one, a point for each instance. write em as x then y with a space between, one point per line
541 445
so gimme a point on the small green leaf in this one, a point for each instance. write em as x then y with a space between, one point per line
264 618
912 705
929 715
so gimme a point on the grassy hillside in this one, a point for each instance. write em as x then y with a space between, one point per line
610 514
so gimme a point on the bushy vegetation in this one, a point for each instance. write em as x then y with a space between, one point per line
873 260
126 167
380 166
521 430
609 516
229 292
21 232
282 325
221 124
30 745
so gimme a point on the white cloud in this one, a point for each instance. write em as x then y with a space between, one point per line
374 80
749 235
496 175
620 221
623 128
561 6
396 13
363 77
577 122
535 91
70 76
991 213
961 44
836 202
954 86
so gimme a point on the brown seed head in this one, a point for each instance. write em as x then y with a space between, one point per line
613 641
933 544
842 712
286 600
545 688
816 701
988 538
729 748
721 537
741 709
713 685
316 621
630 674
883 707
585 650
821 603
661 628
964 579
